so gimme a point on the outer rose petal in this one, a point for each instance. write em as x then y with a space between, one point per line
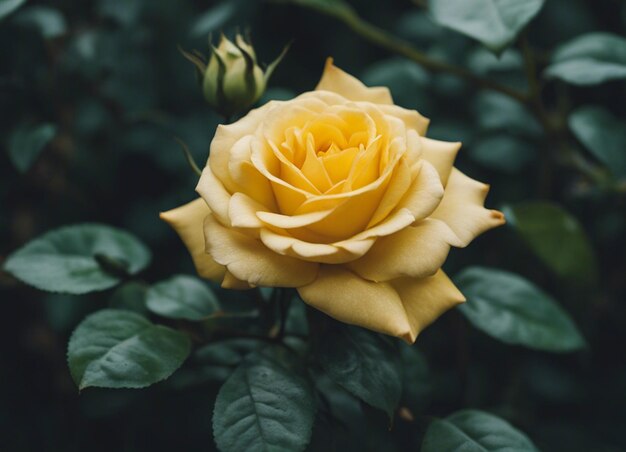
462 208
211 189
348 298
416 251
225 138
335 80
187 221
230 282
249 260
441 155
426 299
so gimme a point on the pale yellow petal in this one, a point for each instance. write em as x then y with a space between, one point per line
348 298
230 282
187 221
441 155
411 118
214 194
242 211
462 208
416 251
225 138
334 253
251 261
246 177
340 82
426 299
396 190
425 193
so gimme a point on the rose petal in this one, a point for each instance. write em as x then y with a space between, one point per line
462 208
187 221
340 82
247 178
411 118
416 251
230 282
441 155
426 299
214 194
425 194
249 260
334 253
348 298
225 138
242 211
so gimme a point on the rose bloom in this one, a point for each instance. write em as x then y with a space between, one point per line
339 194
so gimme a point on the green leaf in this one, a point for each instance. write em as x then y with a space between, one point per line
131 297
495 23
48 21
182 297
589 59
416 382
26 143
603 134
473 430
363 363
121 349
515 311
8 6
502 152
264 406
78 259
496 111
556 237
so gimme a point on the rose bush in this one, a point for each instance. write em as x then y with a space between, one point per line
339 194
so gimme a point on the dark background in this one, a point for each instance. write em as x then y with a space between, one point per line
118 90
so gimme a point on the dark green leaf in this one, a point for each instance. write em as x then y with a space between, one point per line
365 364
48 21
603 134
120 349
484 62
590 59
76 259
510 308
495 23
502 153
131 297
182 297
473 430
416 384
27 141
496 111
263 406
556 237
8 6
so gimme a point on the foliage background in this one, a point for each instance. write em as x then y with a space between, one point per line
107 74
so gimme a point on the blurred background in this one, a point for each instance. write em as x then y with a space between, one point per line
101 90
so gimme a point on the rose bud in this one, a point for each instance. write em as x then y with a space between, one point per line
232 81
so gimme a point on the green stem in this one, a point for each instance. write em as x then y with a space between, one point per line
389 42
556 129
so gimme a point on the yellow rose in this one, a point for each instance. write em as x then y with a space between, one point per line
338 193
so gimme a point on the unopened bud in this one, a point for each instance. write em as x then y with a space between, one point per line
232 81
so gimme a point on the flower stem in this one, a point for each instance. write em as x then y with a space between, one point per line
389 42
